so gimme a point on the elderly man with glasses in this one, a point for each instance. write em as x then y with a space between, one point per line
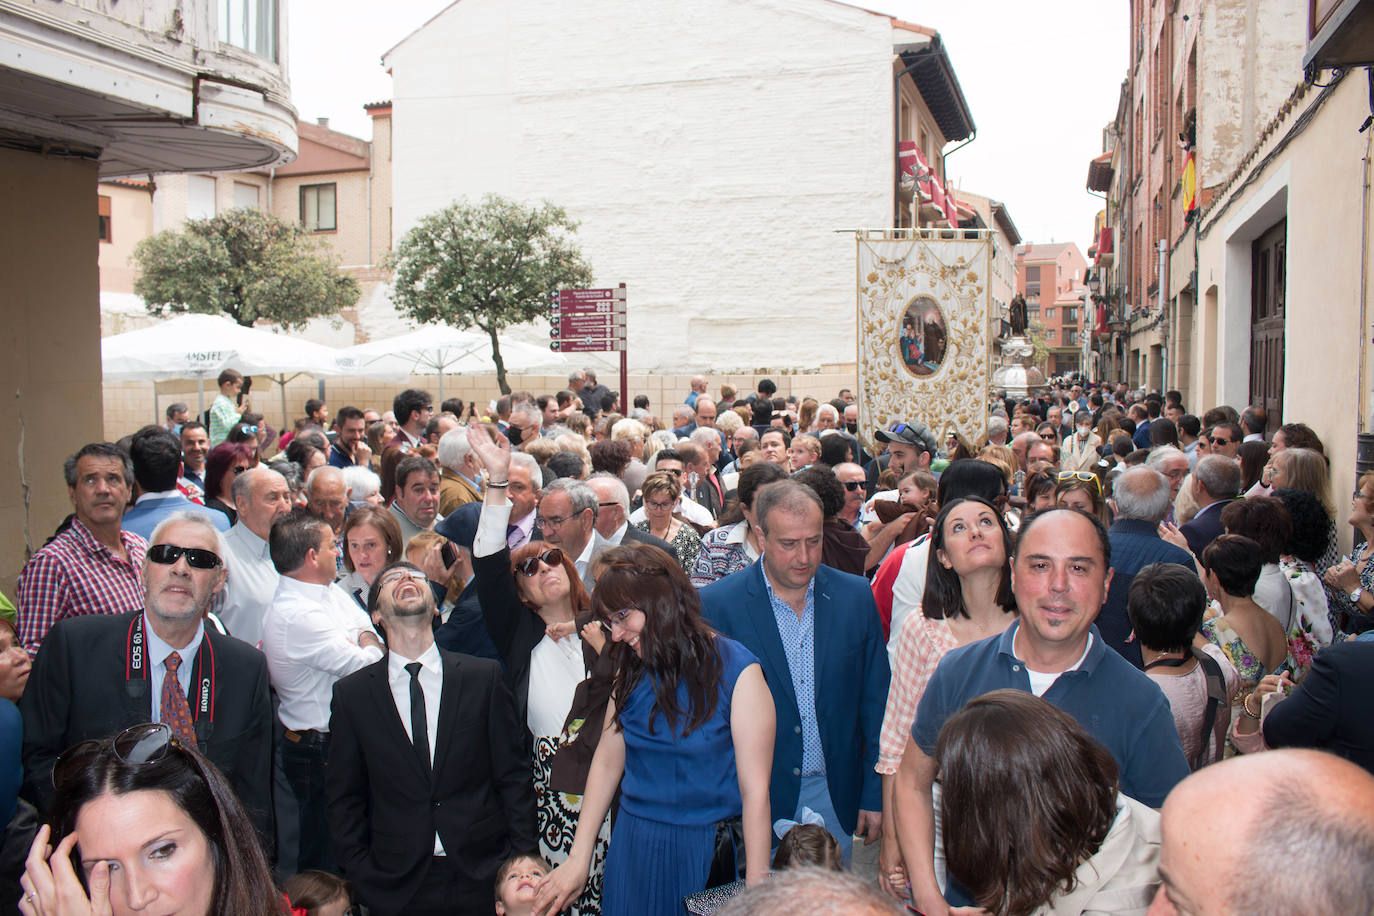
98 674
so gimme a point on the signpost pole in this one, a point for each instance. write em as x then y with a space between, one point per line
624 367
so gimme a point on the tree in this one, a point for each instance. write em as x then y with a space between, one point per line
243 263
488 265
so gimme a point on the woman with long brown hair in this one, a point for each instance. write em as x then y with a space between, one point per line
1033 820
967 597
539 618
142 804
687 740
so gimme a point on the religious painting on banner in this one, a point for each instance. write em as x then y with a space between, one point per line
924 331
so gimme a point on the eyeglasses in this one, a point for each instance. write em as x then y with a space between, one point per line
1084 476
652 504
396 575
530 565
196 558
852 485
239 469
135 747
615 618
1216 441
554 521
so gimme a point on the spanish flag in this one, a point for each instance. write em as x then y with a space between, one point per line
1190 186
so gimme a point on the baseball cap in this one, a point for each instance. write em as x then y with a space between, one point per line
914 434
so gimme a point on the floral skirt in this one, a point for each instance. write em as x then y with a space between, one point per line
557 814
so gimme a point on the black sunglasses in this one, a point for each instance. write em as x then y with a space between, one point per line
1216 441
530 565
167 554
852 485
135 746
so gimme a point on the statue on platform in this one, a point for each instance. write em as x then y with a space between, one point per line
1017 318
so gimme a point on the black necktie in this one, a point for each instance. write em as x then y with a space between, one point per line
419 728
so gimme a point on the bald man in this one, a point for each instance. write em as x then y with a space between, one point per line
1288 831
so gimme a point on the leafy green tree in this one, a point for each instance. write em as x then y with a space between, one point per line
243 263
489 265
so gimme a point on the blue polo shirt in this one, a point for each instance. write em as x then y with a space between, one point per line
1113 700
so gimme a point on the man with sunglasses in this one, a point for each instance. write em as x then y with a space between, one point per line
425 750
852 477
99 674
1225 440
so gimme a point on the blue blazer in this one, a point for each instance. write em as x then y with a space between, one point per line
852 677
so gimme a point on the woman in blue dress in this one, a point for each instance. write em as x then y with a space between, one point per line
688 739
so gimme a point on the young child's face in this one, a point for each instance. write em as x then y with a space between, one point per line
516 896
912 495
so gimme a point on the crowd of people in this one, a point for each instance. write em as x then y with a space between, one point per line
566 655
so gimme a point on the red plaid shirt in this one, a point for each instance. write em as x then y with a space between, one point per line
75 575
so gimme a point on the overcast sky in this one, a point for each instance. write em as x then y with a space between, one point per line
1041 81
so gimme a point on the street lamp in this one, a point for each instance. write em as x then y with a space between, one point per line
1094 282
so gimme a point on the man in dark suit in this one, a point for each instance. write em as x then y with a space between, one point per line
99 674
613 513
412 408
816 632
1140 500
428 781
1216 481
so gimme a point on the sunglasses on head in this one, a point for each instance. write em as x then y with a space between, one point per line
196 558
530 565
135 747
1084 476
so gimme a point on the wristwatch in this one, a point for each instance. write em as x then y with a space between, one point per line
1356 595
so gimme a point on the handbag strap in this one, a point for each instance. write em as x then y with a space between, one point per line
1216 694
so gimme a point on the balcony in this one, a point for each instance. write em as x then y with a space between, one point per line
152 86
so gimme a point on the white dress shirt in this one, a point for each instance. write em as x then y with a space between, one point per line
310 638
432 684
157 652
249 588
618 535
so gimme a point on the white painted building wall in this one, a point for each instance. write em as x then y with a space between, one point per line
708 149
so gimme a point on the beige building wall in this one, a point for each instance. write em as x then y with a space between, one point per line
380 190
1316 179
131 220
350 240
50 334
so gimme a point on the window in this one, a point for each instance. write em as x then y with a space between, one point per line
200 197
103 207
250 25
1049 335
1033 273
1049 313
317 207
1071 315
245 194
1070 337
